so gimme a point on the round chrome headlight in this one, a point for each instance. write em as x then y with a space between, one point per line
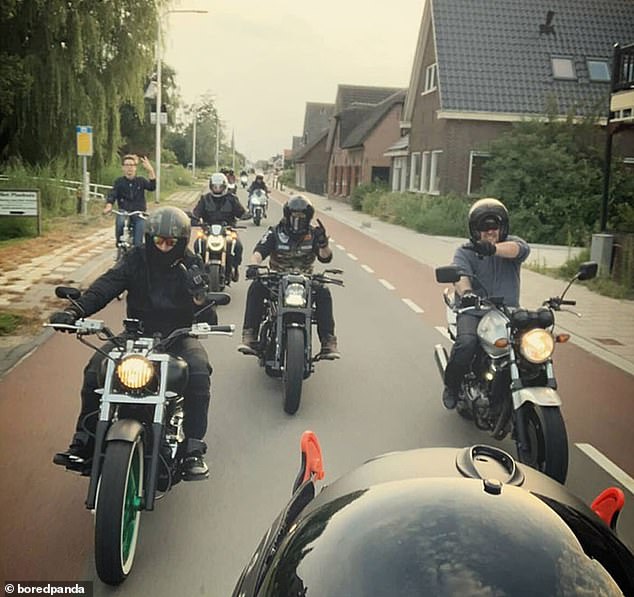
537 345
294 296
135 372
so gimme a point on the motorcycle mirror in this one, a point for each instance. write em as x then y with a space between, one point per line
587 270
219 298
447 274
67 292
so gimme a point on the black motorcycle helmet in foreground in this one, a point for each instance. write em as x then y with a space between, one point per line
510 386
439 521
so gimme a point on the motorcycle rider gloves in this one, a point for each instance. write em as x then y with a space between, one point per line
482 247
319 233
67 317
252 272
195 282
468 299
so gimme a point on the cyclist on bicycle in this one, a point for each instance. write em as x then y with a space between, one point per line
129 193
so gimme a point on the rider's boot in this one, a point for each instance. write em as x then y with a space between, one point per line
249 342
235 274
78 456
329 348
449 398
194 467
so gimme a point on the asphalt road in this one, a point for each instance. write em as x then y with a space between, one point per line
383 395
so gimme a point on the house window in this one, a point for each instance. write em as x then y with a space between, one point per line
414 179
598 70
563 68
434 172
431 78
424 181
477 160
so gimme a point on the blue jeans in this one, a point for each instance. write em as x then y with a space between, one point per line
138 229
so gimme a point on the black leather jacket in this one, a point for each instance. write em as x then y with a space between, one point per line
216 210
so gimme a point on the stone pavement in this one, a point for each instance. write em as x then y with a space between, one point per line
606 327
77 264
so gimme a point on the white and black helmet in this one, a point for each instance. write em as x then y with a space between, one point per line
218 184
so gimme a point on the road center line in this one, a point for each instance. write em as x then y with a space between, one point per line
386 284
412 305
367 268
607 465
443 331
341 247
353 257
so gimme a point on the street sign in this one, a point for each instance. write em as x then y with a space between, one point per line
21 202
84 140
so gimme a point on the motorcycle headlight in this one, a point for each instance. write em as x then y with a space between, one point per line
537 345
135 372
294 296
216 243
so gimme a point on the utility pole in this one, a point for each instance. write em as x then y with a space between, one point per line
194 142
217 140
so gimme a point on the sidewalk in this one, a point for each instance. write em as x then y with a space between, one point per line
606 328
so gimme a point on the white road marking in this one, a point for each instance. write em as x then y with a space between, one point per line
607 465
353 257
341 247
386 284
443 331
367 268
413 306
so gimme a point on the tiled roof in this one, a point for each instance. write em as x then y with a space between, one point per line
492 58
316 119
368 118
302 152
361 94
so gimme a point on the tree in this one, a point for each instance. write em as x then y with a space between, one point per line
549 174
71 62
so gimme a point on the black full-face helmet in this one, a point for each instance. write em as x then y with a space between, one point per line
486 213
423 523
167 223
298 212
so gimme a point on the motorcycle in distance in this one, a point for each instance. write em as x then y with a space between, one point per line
215 243
232 188
284 346
139 440
258 203
511 385
244 181
125 241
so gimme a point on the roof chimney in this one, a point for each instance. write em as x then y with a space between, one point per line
548 26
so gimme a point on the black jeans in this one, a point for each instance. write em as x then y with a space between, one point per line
463 350
323 309
197 393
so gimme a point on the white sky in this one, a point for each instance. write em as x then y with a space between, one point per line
264 59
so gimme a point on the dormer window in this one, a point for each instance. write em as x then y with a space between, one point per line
598 70
563 68
431 78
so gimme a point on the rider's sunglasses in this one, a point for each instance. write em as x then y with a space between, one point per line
165 240
489 224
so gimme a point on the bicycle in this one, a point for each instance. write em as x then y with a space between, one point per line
125 241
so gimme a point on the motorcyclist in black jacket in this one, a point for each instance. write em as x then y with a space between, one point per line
165 288
220 206
292 245
258 183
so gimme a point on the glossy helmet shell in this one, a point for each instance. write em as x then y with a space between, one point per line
169 222
488 208
298 212
218 184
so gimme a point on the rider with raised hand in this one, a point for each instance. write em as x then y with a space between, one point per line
292 245
166 286
495 258
129 193
220 206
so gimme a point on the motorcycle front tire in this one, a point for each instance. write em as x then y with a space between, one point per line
216 278
547 449
293 375
118 510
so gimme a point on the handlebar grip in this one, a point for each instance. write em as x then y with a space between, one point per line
223 328
568 303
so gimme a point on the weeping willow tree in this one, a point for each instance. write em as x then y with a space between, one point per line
70 62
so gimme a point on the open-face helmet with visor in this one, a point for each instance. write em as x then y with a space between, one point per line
486 214
218 184
298 212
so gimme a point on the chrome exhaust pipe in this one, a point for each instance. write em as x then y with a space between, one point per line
441 358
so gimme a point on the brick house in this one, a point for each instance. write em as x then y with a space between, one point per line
310 157
366 122
480 66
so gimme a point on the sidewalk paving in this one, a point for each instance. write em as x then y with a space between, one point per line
606 328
